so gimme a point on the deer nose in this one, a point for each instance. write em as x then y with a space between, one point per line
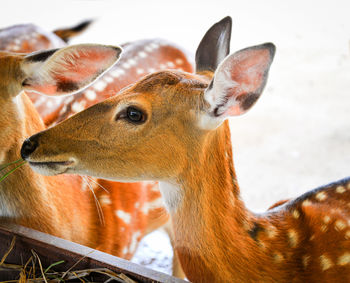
29 146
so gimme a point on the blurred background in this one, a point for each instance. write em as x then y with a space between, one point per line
297 137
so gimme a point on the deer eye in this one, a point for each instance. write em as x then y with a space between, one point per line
135 115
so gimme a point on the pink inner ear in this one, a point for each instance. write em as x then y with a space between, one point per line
233 111
248 69
83 65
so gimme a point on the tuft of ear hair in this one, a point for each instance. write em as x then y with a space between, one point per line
214 46
67 70
238 83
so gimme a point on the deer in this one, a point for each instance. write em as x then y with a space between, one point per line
172 127
64 206
139 203
27 38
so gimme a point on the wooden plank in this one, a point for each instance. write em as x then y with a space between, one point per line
52 249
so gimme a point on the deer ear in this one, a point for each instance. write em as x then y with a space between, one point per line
238 83
214 46
67 70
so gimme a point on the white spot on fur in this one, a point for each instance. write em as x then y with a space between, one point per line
325 262
324 228
306 260
321 196
99 85
132 62
154 45
179 61
306 203
148 48
63 110
126 65
137 205
293 238
105 200
142 54
155 187
326 219
90 95
49 104
344 259
139 71
296 214
117 73
125 216
108 79
151 70
77 106
271 231
340 189
339 225
172 195
147 206
170 64
347 235
278 257
162 66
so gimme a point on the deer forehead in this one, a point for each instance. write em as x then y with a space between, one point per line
169 88
159 94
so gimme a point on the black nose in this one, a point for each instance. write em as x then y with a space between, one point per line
29 146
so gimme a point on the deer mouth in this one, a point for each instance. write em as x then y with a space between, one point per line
51 167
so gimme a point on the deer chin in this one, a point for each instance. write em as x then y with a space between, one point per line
50 168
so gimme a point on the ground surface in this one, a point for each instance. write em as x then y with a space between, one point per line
297 137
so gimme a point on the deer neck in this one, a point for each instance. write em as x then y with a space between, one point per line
212 226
